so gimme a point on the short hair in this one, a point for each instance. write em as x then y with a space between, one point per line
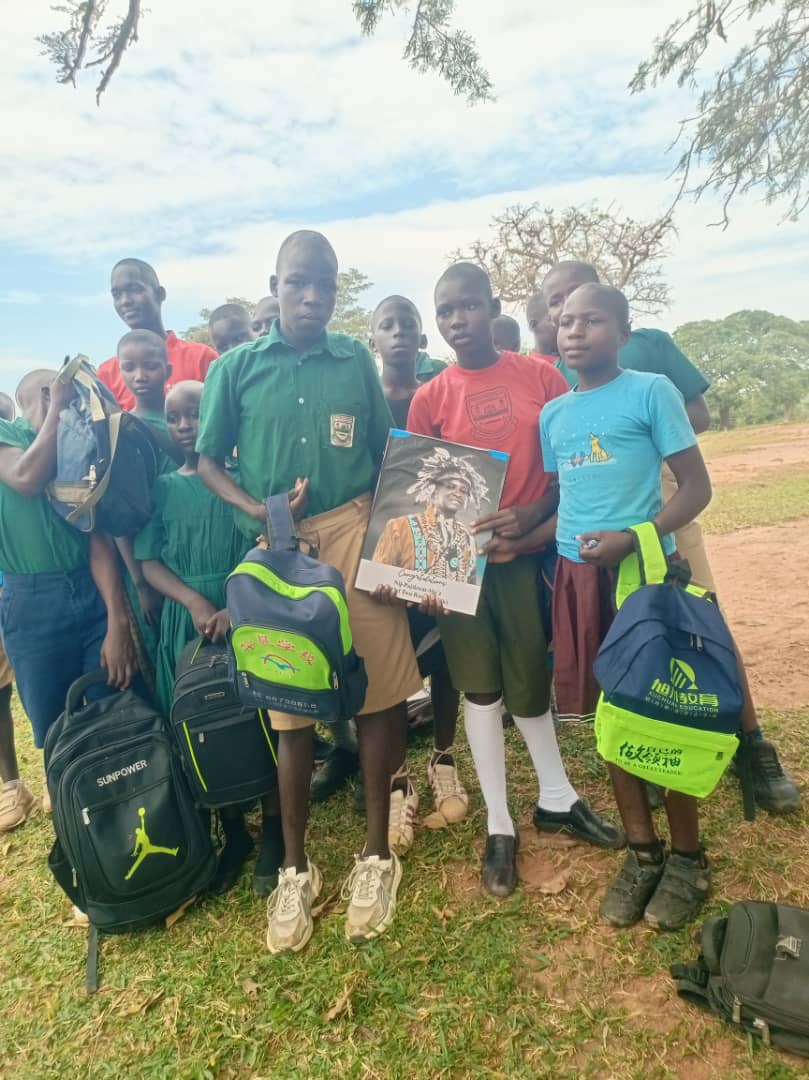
32 383
508 331
609 299
184 387
266 300
229 311
306 238
471 272
148 339
587 270
395 299
6 407
536 308
149 272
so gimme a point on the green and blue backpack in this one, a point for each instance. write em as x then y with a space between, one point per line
671 700
290 638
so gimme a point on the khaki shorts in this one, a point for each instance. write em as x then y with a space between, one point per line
6 674
689 540
381 633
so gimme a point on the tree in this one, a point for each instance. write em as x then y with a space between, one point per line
751 126
757 364
88 40
527 240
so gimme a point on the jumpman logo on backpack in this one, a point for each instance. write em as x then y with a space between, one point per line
144 846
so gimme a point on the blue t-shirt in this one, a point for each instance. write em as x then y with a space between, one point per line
607 446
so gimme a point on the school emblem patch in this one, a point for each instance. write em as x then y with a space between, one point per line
491 412
342 429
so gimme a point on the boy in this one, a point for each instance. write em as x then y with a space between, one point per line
302 403
544 331
229 326
265 313
138 298
637 420
506 334
493 400
654 351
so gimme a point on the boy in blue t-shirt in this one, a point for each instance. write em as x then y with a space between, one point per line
606 441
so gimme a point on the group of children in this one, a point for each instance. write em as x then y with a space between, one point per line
290 408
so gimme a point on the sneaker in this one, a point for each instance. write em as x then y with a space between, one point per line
628 895
333 774
289 909
580 821
774 790
17 804
371 893
681 893
451 800
79 917
404 806
498 875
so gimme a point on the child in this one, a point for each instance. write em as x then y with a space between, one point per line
300 402
543 329
138 298
655 351
606 441
265 313
187 551
493 400
506 334
229 326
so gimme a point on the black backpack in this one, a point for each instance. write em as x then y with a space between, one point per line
753 971
130 847
229 751
106 460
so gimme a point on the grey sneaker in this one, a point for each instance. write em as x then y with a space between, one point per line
289 909
631 891
17 804
371 891
681 893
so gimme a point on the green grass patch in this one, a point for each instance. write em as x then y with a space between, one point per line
461 986
767 500
717 443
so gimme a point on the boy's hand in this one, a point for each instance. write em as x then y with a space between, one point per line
605 548
217 627
511 523
385 594
202 612
118 654
432 605
59 394
500 550
151 603
299 498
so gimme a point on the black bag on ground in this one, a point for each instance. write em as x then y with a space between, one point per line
753 971
229 751
131 847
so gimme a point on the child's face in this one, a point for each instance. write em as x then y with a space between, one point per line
397 333
544 332
589 336
306 287
136 300
558 286
182 418
464 314
228 333
267 311
144 371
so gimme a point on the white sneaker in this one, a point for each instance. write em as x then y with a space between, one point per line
449 794
371 891
17 804
404 806
289 909
80 918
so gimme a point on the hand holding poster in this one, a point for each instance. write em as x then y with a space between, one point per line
420 538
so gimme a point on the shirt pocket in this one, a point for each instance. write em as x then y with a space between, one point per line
343 424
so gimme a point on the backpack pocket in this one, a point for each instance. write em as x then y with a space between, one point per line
230 759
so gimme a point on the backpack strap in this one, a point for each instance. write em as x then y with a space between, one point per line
280 525
646 565
91 976
692 983
100 489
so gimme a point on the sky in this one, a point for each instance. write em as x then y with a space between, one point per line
223 132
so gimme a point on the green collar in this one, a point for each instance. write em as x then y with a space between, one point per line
336 345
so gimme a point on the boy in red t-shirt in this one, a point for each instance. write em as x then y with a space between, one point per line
493 400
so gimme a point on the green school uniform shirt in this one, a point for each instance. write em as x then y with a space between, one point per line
427 367
319 414
33 538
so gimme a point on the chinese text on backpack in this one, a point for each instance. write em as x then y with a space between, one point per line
290 638
130 845
229 751
753 971
671 700
106 459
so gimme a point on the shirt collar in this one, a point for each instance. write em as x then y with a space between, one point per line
336 345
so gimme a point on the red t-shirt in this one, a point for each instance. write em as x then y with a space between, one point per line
188 359
496 408
545 356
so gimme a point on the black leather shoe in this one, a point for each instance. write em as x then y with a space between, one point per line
581 822
333 774
499 873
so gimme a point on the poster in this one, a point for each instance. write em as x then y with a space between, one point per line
419 540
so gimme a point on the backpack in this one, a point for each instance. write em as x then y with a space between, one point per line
671 700
106 460
753 971
130 846
229 751
290 638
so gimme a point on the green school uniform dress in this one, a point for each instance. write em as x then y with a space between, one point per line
192 532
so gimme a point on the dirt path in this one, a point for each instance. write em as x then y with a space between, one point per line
749 464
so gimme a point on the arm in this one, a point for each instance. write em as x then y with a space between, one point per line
28 471
221 483
150 602
117 650
698 413
202 611
503 549
517 521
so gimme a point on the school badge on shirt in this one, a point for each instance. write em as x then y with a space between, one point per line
342 429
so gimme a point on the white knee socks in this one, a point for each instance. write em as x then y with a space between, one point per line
556 793
484 733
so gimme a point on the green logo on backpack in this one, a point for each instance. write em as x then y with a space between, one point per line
144 846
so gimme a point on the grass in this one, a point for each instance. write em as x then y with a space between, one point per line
718 443
767 500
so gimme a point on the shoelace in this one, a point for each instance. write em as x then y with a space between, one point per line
768 764
445 782
363 882
404 813
286 900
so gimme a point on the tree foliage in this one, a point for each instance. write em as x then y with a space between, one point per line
526 241
757 364
750 130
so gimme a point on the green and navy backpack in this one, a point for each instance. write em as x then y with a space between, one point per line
671 700
290 639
